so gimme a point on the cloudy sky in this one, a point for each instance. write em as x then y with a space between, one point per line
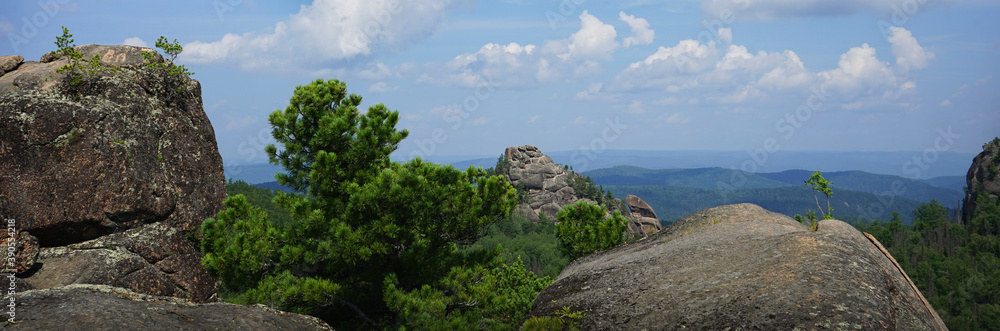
473 77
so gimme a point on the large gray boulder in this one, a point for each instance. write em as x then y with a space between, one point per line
101 307
741 267
111 176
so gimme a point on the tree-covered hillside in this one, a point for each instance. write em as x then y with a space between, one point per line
672 202
878 184
956 265
705 178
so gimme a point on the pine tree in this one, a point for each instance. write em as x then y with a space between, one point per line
373 243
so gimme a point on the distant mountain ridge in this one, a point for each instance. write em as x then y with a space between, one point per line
948 164
726 179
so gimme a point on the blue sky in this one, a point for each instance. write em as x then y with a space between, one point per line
471 78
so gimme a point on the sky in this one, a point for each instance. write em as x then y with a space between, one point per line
474 77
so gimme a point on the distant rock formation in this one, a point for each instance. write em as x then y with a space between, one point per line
643 215
547 189
983 176
106 184
101 307
741 267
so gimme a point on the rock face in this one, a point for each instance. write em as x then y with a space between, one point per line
110 176
75 169
983 177
155 259
742 267
100 307
643 216
25 251
548 189
9 63
547 183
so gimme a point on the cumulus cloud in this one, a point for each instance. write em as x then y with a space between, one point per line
594 40
726 34
381 87
731 74
135 41
668 66
641 33
770 10
323 33
908 53
513 65
859 73
510 65
636 107
675 118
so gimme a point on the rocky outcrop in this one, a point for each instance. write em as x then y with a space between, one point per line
9 63
155 259
741 267
643 216
100 307
111 176
545 181
73 169
546 188
983 177
25 250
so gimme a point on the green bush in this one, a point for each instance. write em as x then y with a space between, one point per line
583 229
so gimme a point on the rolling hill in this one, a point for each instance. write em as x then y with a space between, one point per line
673 202
886 186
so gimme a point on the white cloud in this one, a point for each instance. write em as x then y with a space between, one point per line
636 107
5 27
909 54
375 71
859 73
581 120
641 33
591 92
771 10
730 74
510 65
533 119
726 34
135 41
479 121
675 118
381 87
946 103
323 33
595 40
513 65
